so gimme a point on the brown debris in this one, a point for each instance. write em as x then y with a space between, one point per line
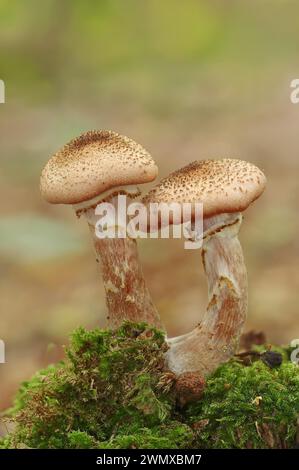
198 426
189 387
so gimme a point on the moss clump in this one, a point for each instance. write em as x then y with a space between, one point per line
111 384
112 392
248 407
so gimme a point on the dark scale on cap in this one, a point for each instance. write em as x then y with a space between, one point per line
227 185
93 163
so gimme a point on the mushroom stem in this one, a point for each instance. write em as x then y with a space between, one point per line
127 296
216 338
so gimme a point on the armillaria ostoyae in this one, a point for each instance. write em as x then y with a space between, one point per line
225 188
95 167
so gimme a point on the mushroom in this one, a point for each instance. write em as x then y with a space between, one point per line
98 166
225 188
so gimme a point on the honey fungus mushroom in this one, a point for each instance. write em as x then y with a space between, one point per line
226 188
98 166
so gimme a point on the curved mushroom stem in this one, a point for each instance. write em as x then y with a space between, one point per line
216 338
127 296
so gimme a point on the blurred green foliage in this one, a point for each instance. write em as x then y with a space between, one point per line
49 46
32 238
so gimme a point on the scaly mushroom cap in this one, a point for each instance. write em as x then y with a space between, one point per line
93 163
222 186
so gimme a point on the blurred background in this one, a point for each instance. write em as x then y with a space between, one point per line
187 79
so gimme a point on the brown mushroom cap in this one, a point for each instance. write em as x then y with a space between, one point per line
93 163
227 185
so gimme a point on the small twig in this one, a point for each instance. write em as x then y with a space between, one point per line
248 353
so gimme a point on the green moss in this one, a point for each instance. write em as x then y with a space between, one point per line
253 406
111 383
173 435
112 392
